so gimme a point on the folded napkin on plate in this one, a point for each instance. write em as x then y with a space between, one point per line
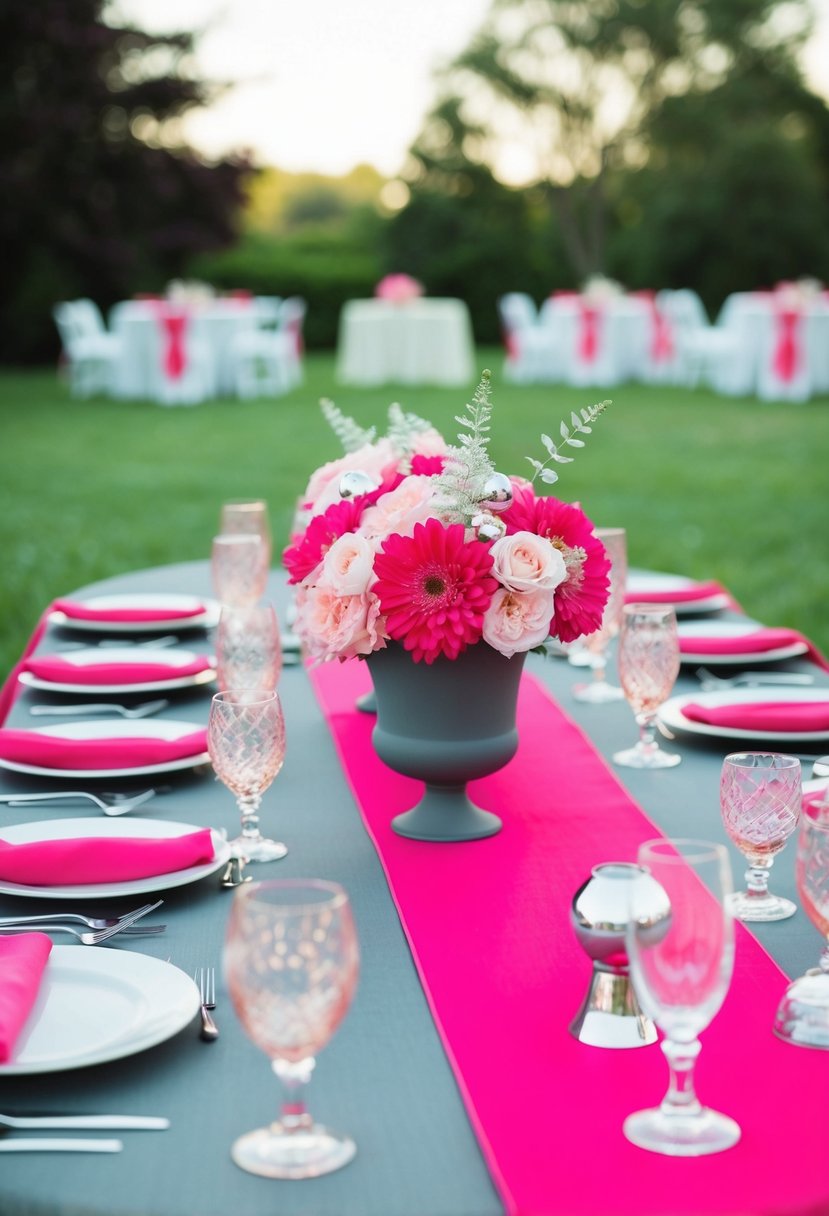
756 642
63 671
793 716
51 751
677 595
23 961
93 859
78 611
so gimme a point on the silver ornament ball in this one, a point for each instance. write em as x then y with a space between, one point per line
488 527
355 483
497 493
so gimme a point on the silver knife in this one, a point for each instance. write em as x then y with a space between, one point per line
86 1122
38 1145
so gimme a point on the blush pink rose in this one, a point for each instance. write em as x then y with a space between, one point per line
336 626
428 443
412 502
526 562
348 566
517 620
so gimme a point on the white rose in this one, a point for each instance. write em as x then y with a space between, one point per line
526 562
348 566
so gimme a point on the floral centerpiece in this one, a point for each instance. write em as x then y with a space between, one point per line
409 539
398 288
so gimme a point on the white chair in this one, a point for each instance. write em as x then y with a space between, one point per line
725 356
808 333
689 324
269 363
531 348
92 354
595 338
194 380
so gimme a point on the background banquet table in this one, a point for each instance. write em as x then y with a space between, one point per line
385 1077
422 341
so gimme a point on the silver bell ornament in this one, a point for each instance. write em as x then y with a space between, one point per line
498 493
355 483
488 527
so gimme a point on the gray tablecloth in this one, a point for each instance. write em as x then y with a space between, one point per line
384 1078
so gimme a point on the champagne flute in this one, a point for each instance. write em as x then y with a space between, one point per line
803 1014
648 666
291 962
760 797
248 648
598 691
239 568
246 742
249 516
681 956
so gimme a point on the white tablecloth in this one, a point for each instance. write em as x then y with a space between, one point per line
208 340
425 341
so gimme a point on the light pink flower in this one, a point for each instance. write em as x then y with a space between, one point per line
518 620
410 503
526 562
335 626
348 565
324 486
428 443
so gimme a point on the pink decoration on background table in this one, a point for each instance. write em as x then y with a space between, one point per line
75 610
23 960
488 925
756 642
51 751
63 671
398 288
92 859
778 716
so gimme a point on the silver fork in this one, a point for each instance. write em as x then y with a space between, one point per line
749 679
102 707
118 806
161 643
91 922
205 977
91 937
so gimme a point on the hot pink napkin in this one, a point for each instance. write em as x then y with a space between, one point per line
91 859
63 671
756 642
78 611
677 595
23 961
793 716
49 751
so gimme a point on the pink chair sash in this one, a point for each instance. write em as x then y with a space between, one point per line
173 321
787 358
588 344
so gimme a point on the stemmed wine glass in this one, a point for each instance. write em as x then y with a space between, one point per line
239 568
248 648
648 662
598 690
250 517
803 1013
246 742
681 957
760 797
291 962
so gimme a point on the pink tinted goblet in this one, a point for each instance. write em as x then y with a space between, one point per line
248 648
239 568
648 661
291 961
598 691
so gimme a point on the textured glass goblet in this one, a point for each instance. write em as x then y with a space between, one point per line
246 742
648 660
248 648
291 962
598 691
249 517
803 1013
760 798
681 957
239 568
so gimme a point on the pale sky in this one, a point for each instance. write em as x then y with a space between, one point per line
324 85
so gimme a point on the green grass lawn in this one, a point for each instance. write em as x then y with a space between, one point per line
734 490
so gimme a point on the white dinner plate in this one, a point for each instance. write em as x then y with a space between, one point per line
97 1004
139 656
112 829
162 728
671 713
202 620
733 629
641 582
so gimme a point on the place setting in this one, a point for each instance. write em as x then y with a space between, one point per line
687 596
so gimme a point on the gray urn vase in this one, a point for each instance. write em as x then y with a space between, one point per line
446 723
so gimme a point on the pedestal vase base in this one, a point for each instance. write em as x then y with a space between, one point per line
445 813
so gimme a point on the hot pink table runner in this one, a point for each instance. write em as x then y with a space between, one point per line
488 925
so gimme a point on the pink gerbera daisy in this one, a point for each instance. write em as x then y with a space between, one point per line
434 588
581 598
307 551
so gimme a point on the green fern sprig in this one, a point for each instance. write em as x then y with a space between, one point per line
402 432
579 425
350 434
461 485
